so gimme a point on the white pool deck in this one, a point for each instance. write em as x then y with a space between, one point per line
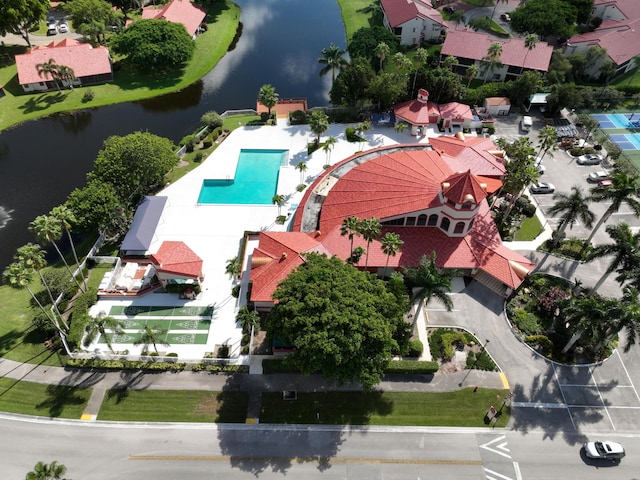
214 232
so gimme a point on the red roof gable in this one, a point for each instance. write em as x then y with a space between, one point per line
474 45
416 111
82 58
463 188
401 11
621 40
177 258
480 155
178 11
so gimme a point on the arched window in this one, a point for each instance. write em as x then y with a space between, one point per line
444 224
422 220
411 221
459 227
433 220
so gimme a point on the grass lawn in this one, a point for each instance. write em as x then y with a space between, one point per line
355 15
174 406
211 46
44 400
530 229
480 3
462 408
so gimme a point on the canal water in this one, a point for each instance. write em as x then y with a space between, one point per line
41 162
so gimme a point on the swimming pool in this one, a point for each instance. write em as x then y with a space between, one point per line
254 183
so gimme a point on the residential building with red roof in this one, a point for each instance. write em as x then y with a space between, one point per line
434 197
619 35
90 65
471 48
412 21
178 11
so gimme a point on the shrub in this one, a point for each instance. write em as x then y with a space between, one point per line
449 340
172 354
186 139
235 291
198 157
297 117
189 147
411 366
223 351
480 361
124 364
211 119
301 187
541 344
350 133
208 143
277 365
264 116
415 348
88 95
526 322
280 219
80 315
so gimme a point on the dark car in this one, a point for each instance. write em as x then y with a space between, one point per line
505 17
448 9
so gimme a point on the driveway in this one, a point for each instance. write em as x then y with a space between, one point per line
493 12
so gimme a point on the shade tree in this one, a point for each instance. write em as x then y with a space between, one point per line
20 17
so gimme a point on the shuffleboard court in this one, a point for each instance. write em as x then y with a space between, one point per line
161 311
168 323
170 338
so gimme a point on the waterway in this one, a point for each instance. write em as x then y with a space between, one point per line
41 162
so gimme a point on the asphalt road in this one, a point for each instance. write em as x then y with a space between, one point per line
171 452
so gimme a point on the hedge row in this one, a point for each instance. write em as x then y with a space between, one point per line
125 365
277 365
80 316
219 368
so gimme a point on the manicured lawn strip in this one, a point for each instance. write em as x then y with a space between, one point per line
529 229
30 398
211 46
353 17
462 408
174 406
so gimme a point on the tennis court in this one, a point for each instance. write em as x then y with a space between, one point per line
622 128
627 141
610 121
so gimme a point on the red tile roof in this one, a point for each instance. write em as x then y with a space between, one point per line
416 111
621 39
474 45
84 59
463 187
478 154
401 11
178 11
177 258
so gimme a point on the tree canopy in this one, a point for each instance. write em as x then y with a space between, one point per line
155 44
352 83
21 16
93 205
366 40
341 320
134 163
93 17
545 17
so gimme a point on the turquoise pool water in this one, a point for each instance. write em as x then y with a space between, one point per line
254 183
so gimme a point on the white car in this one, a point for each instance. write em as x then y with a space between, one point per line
63 27
589 159
542 187
596 177
604 450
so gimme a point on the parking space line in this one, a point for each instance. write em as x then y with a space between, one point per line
564 399
601 398
624 367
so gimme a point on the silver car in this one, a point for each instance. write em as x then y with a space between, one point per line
542 187
605 450
589 159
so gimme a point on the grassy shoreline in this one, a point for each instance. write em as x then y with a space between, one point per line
19 107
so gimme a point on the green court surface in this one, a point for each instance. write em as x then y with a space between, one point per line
169 324
170 338
159 311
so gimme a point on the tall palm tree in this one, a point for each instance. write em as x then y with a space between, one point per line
402 63
458 17
623 190
278 199
628 316
66 73
248 319
530 42
152 336
429 281
382 51
471 73
49 68
332 59
548 140
48 229
492 58
18 276
361 129
350 227
233 267
449 62
302 167
32 256
329 143
268 96
421 58
98 326
391 243
624 253
587 314
571 208
370 229
66 217
44 471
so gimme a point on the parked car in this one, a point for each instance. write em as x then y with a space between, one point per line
52 29
542 187
604 450
505 17
589 159
63 27
605 183
449 9
596 177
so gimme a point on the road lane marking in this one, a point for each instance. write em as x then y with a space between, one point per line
516 467
227 458
502 446
499 475
624 367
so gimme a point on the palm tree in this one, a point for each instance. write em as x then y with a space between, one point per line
449 62
382 51
44 471
571 208
49 68
152 336
548 140
421 58
370 229
391 243
66 217
249 319
303 168
66 73
234 267
18 276
402 63
350 227
329 143
332 59
458 17
361 129
492 58
624 253
623 190
98 326
628 316
49 229
32 256
587 314
268 96
471 73
400 127
318 123
278 199
530 42
429 281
